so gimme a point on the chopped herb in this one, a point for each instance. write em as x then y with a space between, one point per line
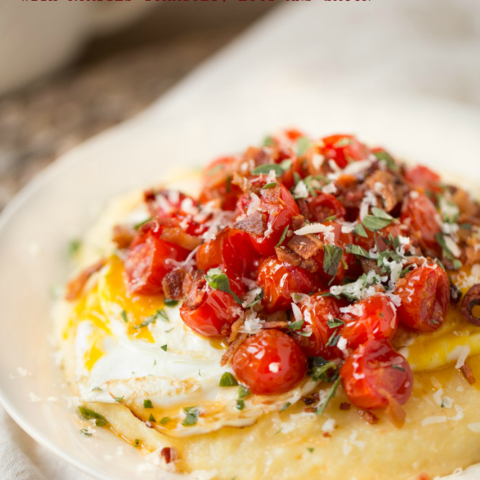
330 395
215 169
268 141
296 178
267 168
360 231
240 404
398 367
164 347
258 298
335 322
191 416
305 334
466 226
137 443
319 367
384 156
284 407
296 325
330 294
220 281
303 144
73 247
330 219
124 316
333 340
88 414
147 403
94 389
269 185
286 165
119 399
446 252
170 303
310 449
380 219
243 392
164 420
151 418
161 313
282 238
149 320
85 432
357 250
140 224
331 259
228 380
343 142
405 270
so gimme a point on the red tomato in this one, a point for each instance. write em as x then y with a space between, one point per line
375 375
293 134
146 264
316 311
217 183
425 295
343 149
372 319
269 362
422 213
340 239
279 207
216 310
280 280
232 248
423 177
323 206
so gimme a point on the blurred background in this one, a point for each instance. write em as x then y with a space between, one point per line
73 69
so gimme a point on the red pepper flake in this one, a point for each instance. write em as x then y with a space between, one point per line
345 406
467 373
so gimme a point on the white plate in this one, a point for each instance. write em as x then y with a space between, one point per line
58 205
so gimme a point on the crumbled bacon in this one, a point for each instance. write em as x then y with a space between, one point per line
194 289
369 417
123 235
235 328
306 246
75 286
169 454
369 265
286 255
345 406
172 284
177 236
255 224
388 186
234 346
467 373
297 222
279 325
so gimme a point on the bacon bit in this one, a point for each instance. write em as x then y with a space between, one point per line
395 412
391 189
310 400
177 236
172 284
149 197
345 406
470 301
326 435
149 424
75 286
234 346
465 203
255 224
368 265
272 195
309 410
467 373
286 255
123 235
369 417
169 454
280 324
298 221
241 182
303 207
194 289
236 326
347 181
352 198
305 245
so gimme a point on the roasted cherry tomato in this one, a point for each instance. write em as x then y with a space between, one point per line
148 262
343 149
232 248
423 177
375 375
324 206
213 309
420 211
279 280
425 295
217 183
317 310
269 362
276 207
371 319
335 236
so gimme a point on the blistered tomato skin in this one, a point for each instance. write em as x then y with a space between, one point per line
423 177
217 310
280 280
279 207
146 264
374 318
420 211
425 296
343 149
374 375
269 362
324 206
316 311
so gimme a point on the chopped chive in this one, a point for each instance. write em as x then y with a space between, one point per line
228 380
147 403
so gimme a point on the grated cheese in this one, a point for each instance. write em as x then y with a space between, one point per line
314 228
433 420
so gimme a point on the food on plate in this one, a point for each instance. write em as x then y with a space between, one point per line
309 308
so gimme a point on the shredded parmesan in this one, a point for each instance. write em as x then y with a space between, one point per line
314 228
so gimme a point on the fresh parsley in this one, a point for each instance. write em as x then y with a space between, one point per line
228 380
164 347
284 407
151 418
243 392
303 144
331 260
164 420
269 185
191 416
296 325
88 414
359 230
170 303
330 395
335 323
147 403
284 234
218 280
357 250
124 316
380 219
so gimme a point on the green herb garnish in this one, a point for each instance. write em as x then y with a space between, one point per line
88 414
296 325
164 347
228 380
218 280
330 395
335 322
284 234
151 418
124 316
269 185
164 420
191 416
303 144
170 303
331 259
147 403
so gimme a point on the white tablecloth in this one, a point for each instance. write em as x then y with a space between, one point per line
390 46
